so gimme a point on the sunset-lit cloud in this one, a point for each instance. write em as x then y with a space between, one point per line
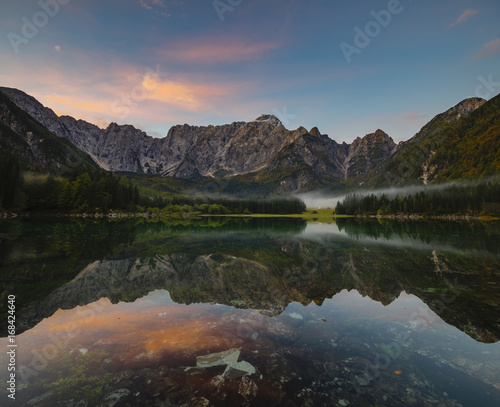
414 115
464 17
189 95
218 50
77 104
489 50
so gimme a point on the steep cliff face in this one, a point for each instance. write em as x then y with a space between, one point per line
228 150
24 137
367 153
314 159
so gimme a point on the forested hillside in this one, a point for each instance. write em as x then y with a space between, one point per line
461 143
472 148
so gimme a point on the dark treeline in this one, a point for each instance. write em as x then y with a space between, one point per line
86 190
220 206
23 188
465 200
10 180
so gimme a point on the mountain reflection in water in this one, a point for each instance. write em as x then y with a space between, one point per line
354 313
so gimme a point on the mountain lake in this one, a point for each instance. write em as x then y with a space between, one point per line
250 312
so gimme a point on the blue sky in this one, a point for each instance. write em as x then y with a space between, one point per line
347 67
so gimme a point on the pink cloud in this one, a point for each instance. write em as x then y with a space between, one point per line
148 4
464 17
414 116
218 50
489 50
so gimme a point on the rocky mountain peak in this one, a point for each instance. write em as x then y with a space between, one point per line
112 126
380 133
269 118
371 139
122 128
469 105
315 132
464 108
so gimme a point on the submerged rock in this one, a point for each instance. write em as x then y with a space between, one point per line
114 398
239 369
218 359
247 388
197 402
234 369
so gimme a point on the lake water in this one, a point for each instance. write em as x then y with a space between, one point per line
353 313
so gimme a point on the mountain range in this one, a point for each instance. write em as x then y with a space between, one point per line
260 156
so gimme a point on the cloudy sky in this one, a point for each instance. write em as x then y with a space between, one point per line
348 67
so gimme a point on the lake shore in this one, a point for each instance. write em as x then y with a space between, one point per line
310 215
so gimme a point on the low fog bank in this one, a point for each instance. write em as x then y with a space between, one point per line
320 199
328 199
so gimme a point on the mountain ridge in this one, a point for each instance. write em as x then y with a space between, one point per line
264 156
230 150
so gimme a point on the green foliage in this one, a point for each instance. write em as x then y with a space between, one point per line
216 209
472 148
222 206
94 191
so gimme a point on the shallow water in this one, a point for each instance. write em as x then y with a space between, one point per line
358 313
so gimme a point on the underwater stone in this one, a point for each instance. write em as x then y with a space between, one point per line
115 397
239 369
197 402
218 359
248 389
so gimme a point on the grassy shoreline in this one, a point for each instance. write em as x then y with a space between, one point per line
319 215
